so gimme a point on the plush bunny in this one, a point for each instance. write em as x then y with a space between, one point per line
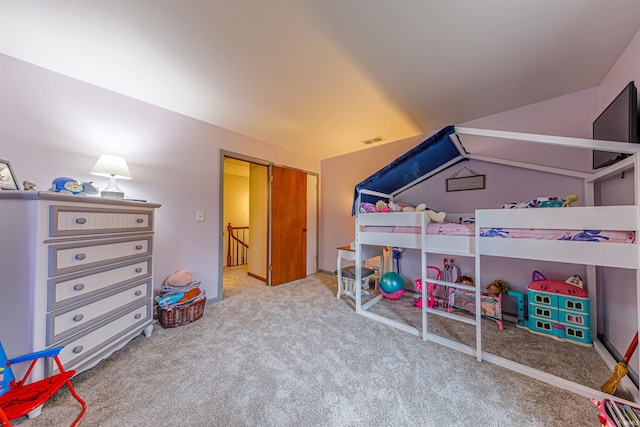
431 214
435 216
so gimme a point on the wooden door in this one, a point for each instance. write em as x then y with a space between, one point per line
288 225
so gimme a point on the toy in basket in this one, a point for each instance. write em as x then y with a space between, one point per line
181 300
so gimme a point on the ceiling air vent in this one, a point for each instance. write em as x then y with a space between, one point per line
373 140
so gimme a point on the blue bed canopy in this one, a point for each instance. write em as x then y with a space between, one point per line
438 152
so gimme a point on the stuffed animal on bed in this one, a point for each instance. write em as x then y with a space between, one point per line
543 202
395 207
435 216
431 214
382 206
366 207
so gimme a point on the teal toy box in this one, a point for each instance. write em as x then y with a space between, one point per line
559 309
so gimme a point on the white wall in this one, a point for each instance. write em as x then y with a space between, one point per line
236 200
236 208
259 220
339 177
52 125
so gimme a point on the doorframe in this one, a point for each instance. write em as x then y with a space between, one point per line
231 154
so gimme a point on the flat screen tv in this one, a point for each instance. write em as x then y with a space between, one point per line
618 122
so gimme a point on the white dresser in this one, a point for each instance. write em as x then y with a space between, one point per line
74 271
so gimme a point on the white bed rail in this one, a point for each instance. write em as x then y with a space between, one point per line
387 237
407 219
574 218
449 245
622 255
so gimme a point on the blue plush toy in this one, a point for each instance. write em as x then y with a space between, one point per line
66 184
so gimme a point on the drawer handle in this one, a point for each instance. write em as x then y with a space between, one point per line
137 316
78 287
138 293
138 247
81 220
80 257
139 270
78 317
77 349
140 220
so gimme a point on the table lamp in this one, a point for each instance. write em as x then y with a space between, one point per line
113 167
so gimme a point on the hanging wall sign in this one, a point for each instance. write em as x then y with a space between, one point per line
473 182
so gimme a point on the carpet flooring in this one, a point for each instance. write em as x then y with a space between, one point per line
294 355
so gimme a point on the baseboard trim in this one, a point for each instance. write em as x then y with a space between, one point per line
255 276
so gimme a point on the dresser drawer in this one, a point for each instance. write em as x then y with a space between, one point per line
573 303
543 312
72 288
70 257
64 323
77 221
540 298
574 318
80 348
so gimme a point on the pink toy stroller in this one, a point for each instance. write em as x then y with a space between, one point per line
430 288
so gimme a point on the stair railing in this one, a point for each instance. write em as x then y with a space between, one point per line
237 248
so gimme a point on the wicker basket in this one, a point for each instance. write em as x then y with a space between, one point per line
181 315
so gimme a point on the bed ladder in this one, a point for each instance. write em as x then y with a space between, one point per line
475 321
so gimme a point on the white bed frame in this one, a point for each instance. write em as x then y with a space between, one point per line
619 255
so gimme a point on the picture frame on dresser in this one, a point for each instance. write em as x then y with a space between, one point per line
8 179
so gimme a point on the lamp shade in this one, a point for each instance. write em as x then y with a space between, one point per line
108 165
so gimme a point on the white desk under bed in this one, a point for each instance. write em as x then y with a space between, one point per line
349 254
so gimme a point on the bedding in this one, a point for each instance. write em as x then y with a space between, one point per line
456 229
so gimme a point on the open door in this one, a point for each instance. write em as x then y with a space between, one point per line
288 237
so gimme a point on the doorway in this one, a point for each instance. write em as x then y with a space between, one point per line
245 202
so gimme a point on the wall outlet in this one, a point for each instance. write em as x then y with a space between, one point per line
199 216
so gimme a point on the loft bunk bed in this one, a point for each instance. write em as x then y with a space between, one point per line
410 230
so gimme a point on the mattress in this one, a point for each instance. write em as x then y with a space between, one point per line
455 229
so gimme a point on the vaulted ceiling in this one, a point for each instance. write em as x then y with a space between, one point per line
319 77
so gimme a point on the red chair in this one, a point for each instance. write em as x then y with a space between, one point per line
17 398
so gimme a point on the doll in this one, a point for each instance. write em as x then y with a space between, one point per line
466 280
496 288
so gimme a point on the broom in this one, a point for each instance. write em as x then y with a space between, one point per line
620 370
